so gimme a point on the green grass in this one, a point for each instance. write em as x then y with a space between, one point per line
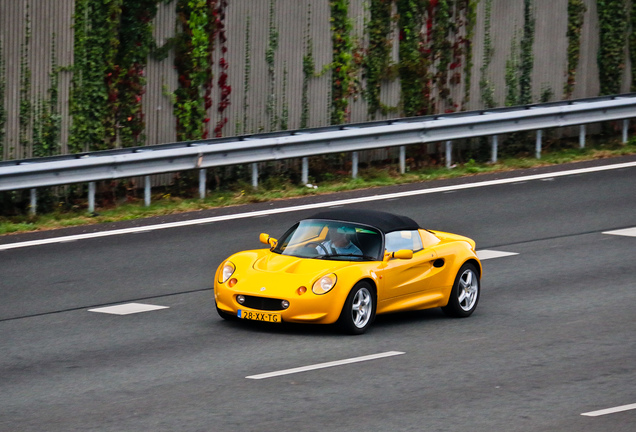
165 204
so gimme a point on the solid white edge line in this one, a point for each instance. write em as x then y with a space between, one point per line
325 365
609 410
314 206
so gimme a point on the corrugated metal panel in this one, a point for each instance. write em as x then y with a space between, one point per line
247 112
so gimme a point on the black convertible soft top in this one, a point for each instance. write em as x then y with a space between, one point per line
385 222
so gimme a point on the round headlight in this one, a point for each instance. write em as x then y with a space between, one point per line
228 270
240 299
324 284
284 304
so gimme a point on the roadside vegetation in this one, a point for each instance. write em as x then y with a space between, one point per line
122 203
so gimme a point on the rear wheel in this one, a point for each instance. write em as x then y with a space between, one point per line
359 309
465 293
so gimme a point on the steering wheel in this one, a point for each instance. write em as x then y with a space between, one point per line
317 245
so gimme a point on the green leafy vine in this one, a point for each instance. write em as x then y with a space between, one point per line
272 46
576 16
342 66
470 12
526 53
247 72
308 72
192 49
612 15
47 123
413 65
135 44
25 105
377 63
3 111
486 86
632 46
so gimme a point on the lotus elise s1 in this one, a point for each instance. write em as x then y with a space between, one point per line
346 266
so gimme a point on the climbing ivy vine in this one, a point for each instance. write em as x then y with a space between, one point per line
3 111
526 53
470 16
135 44
111 45
632 46
485 84
246 74
47 122
93 89
377 63
308 72
576 16
272 46
435 44
192 62
25 109
413 65
612 15
342 66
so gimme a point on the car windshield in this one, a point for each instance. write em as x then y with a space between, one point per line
331 240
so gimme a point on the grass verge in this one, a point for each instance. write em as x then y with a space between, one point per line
164 204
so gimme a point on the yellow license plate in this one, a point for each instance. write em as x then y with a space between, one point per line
259 316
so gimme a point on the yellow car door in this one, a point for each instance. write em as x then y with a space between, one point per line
399 277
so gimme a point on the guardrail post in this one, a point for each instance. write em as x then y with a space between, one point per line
91 197
582 136
449 152
537 147
147 191
305 173
625 129
34 202
202 181
354 165
255 175
402 159
495 144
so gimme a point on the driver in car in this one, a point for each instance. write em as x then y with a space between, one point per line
339 243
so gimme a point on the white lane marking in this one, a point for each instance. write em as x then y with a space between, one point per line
127 309
314 206
609 410
629 232
489 254
325 365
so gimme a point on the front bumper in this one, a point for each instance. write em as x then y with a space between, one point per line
305 308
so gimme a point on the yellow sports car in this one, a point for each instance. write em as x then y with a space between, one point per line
347 266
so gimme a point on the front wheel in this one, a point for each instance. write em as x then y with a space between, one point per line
465 293
359 309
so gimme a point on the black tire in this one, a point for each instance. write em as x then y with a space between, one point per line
465 293
358 311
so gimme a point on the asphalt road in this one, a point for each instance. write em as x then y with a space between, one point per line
552 338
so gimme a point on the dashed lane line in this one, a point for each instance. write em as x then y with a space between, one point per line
490 254
127 308
627 232
610 410
325 365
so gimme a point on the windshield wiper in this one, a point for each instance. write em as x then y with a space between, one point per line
367 257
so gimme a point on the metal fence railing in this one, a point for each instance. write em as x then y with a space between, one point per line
251 149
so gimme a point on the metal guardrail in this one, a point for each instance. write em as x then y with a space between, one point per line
199 155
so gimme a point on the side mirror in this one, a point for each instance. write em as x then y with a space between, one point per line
265 238
404 254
